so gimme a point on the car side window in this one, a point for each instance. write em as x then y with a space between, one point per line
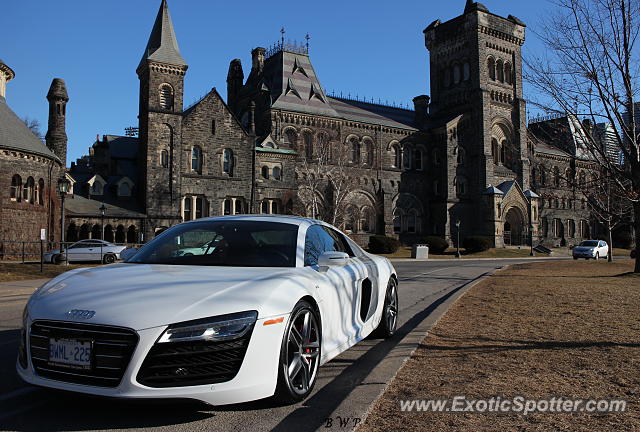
339 242
316 242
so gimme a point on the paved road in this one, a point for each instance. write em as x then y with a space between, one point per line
423 286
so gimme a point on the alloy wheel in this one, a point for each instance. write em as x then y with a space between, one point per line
303 351
391 307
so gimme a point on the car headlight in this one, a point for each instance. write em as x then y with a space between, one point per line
220 328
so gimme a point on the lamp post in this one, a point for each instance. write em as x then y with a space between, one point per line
63 189
458 242
531 236
102 209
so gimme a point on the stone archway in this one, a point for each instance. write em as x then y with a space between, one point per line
514 225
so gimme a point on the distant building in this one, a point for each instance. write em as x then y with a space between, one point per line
30 171
462 155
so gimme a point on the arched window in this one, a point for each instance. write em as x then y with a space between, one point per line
461 185
199 207
543 176
466 72
227 162
503 152
457 75
355 151
308 144
406 157
213 126
108 233
500 70
460 156
164 159
97 188
186 213
166 96
40 192
28 191
196 159
16 188
568 176
572 228
491 66
495 151
584 229
265 172
397 221
417 158
556 176
124 190
275 208
226 207
582 179
508 75
396 156
368 152
238 207
291 138
264 207
132 234
277 173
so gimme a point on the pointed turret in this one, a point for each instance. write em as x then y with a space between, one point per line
235 80
163 45
56 137
6 75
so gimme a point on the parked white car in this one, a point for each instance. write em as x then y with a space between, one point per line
589 249
253 317
86 250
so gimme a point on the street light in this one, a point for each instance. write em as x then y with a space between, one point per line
63 189
458 242
102 209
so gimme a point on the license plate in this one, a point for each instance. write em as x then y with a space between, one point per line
70 352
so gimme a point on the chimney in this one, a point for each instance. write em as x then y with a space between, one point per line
421 108
235 80
257 59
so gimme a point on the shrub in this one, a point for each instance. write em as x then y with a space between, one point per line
379 244
436 244
476 244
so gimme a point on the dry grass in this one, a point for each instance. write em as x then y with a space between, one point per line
539 330
405 252
10 271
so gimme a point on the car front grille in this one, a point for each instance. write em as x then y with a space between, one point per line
176 364
111 353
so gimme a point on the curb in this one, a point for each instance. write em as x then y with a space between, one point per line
380 377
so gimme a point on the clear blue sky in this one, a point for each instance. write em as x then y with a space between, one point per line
368 48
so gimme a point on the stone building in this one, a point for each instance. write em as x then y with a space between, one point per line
461 159
30 171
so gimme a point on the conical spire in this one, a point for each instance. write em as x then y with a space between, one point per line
163 45
468 6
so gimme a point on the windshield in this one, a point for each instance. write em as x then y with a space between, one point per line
223 243
589 243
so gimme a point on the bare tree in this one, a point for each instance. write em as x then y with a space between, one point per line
325 183
34 127
590 70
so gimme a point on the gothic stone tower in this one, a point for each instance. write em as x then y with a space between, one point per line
161 72
56 137
476 99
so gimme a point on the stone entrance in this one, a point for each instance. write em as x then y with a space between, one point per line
514 227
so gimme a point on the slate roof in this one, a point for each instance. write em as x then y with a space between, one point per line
76 205
163 45
492 190
506 186
374 113
14 134
542 147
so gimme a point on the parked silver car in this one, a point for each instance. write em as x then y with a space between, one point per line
86 250
591 249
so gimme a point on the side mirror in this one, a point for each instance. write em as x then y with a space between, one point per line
128 253
333 259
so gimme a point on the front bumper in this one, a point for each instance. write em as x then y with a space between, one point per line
584 254
256 378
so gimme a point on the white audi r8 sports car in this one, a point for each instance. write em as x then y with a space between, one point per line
253 317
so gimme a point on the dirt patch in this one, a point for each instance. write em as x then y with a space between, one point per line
569 329
18 271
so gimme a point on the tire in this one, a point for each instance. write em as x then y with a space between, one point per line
389 320
57 259
299 355
109 259
575 258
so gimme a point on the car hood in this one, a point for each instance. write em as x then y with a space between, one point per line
142 296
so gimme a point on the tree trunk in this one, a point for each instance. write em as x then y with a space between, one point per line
610 241
636 225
